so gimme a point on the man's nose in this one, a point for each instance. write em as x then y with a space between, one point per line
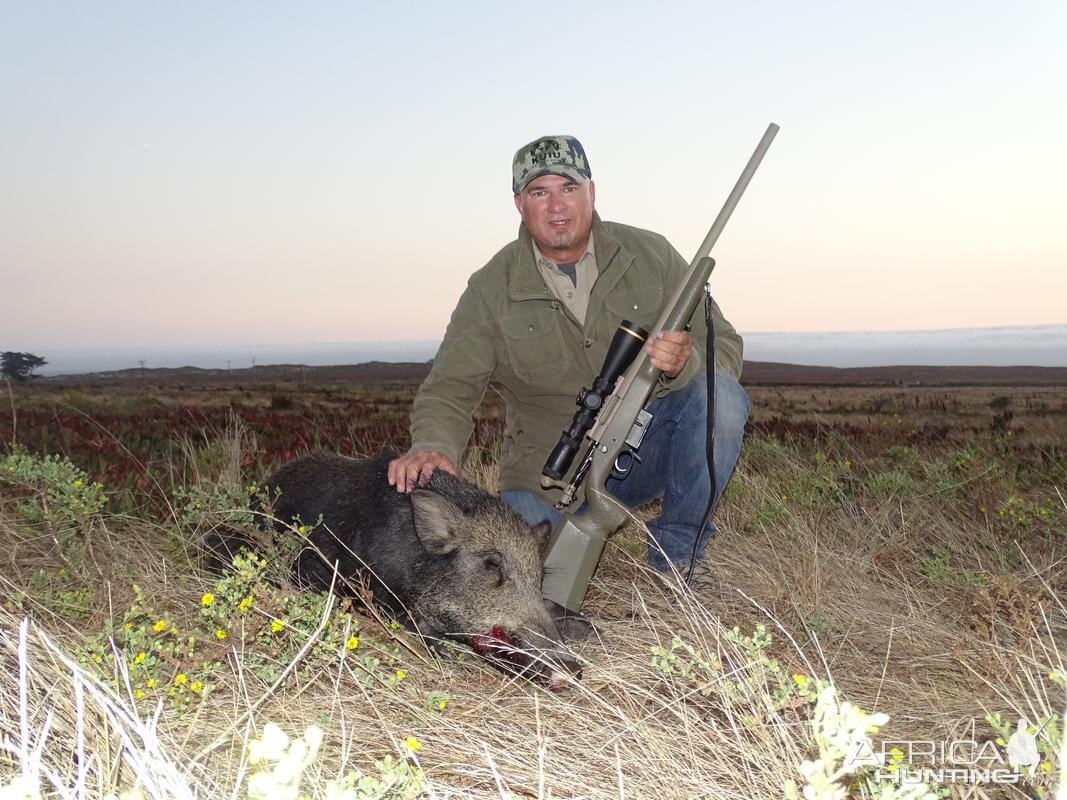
555 201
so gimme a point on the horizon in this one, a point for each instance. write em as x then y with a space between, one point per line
267 190
328 342
1002 346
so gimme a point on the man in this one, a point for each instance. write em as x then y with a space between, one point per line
536 322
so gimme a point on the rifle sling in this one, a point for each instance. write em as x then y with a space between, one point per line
709 376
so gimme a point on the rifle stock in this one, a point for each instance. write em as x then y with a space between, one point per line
578 540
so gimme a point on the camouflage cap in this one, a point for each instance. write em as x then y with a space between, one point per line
549 155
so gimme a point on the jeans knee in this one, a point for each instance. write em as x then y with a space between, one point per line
731 403
530 507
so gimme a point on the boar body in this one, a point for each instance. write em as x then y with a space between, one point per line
450 557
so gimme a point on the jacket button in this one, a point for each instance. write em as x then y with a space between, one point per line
531 329
587 343
635 306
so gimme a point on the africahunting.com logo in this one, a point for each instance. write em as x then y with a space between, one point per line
1016 760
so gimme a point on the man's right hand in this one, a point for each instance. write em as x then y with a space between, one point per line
415 468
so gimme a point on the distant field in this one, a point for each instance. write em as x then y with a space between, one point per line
755 372
128 426
906 542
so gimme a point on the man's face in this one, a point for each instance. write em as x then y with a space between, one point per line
558 213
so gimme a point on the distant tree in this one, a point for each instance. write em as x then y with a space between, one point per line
20 366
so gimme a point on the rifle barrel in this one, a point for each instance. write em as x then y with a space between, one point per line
739 189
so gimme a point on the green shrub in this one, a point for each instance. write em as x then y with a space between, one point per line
54 492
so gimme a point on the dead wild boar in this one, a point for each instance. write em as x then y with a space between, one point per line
450 557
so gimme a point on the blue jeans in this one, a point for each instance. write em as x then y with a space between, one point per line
673 466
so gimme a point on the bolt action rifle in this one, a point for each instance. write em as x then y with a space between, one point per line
613 418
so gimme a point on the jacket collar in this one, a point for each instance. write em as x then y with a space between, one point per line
525 281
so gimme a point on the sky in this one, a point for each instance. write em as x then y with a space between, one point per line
199 173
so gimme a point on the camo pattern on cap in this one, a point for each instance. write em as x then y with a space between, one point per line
549 155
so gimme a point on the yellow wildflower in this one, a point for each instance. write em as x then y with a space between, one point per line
400 674
245 604
785 497
207 599
196 686
126 626
160 625
220 634
78 482
352 643
151 683
139 658
896 754
301 529
799 679
1045 766
180 679
412 744
276 625
441 703
138 694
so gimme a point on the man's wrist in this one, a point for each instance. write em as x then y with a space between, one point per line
436 447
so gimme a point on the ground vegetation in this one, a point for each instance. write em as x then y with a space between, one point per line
889 568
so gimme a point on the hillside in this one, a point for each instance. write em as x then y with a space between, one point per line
756 373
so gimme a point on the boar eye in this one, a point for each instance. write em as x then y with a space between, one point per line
495 569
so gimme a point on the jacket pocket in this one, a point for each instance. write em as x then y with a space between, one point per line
640 305
534 345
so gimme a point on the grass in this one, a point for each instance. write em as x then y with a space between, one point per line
924 580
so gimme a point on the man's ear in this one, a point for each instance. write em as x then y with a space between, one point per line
438 523
518 204
592 192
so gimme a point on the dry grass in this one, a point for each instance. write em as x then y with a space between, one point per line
837 586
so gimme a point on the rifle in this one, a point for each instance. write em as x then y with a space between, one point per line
617 422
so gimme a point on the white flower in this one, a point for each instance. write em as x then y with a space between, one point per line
842 732
268 747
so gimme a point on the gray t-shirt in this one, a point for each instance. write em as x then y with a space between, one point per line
570 283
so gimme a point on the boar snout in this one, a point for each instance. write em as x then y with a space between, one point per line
538 657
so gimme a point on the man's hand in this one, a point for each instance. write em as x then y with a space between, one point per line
415 468
669 351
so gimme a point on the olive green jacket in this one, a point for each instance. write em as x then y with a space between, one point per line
508 330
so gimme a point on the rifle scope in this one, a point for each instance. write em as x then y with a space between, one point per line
625 345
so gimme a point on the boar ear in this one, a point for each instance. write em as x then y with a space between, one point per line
437 521
541 532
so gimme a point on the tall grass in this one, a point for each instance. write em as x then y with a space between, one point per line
892 576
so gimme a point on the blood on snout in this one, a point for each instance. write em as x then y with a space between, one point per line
500 645
495 642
